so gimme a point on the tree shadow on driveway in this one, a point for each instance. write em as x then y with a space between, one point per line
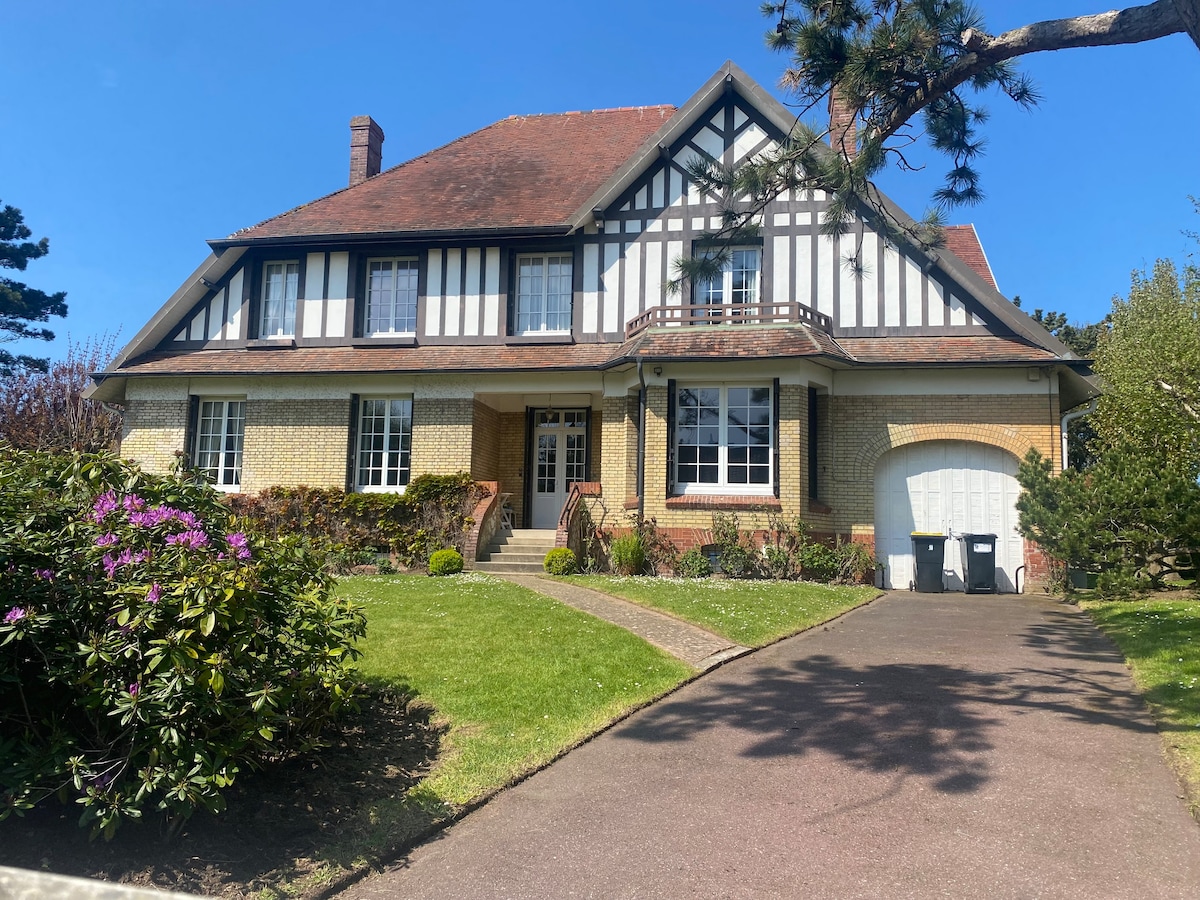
936 721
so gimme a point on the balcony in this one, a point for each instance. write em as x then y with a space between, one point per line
774 313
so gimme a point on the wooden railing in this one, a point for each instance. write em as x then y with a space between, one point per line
787 313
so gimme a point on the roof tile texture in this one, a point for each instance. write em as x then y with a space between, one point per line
521 172
963 242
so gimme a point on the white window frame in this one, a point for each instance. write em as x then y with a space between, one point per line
732 289
532 313
723 484
393 298
377 458
287 316
221 424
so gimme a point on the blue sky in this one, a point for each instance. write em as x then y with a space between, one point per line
134 131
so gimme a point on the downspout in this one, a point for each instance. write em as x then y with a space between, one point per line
641 443
1067 419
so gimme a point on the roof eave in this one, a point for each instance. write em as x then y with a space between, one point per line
368 237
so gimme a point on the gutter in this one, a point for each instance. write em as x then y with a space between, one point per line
1067 419
641 443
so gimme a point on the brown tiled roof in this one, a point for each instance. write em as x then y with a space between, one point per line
963 242
521 172
959 350
724 342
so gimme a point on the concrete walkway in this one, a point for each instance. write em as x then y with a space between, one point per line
693 645
922 746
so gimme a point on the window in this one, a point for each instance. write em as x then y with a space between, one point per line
738 282
281 287
384 443
220 429
543 294
391 296
723 439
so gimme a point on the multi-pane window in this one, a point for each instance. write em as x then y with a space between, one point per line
281 287
543 293
384 443
391 296
220 430
723 439
738 281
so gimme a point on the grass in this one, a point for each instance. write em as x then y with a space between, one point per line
518 677
750 613
1160 639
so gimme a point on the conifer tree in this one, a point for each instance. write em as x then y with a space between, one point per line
21 305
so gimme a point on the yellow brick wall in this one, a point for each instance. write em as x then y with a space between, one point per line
441 436
485 443
295 442
511 460
154 432
617 467
864 428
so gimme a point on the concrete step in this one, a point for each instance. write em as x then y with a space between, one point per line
532 556
494 567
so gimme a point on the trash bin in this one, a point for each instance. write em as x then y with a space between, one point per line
929 558
979 563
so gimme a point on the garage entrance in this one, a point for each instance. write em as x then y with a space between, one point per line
946 486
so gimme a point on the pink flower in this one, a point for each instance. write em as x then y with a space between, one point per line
44 574
16 614
154 594
133 503
135 689
237 544
192 539
110 565
107 540
103 505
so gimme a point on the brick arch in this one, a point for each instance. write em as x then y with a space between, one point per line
900 435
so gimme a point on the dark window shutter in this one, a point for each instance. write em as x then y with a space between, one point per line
530 465
670 436
352 444
587 444
775 433
813 438
190 431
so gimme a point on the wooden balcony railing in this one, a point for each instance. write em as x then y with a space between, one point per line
787 313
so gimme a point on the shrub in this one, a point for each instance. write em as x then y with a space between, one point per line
445 562
627 553
856 565
150 650
693 564
561 561
737 552
433 512
819 562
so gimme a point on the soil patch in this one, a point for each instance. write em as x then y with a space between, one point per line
280 824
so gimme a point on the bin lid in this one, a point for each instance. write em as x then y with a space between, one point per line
976 537
925 535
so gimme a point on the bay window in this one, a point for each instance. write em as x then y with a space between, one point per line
724 439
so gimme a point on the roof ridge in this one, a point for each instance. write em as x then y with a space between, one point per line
588 112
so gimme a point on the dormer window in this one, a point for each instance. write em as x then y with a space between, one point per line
391 296
738 281
544 288
281 287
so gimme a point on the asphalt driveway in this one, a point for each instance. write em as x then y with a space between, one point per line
923 746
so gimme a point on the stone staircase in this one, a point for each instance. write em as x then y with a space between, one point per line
520 552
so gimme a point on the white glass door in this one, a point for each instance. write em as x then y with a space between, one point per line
559 459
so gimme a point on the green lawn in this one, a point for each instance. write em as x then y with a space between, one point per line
750 613
518 677
1161 641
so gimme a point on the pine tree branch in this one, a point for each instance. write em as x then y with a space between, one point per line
1128 26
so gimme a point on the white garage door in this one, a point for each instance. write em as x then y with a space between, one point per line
949 487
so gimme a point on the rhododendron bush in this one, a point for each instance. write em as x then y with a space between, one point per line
150 648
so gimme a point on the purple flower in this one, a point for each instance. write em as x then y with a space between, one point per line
193 539
133 503
134 689
103 505
237 544
110 565
16 614
154 594
107 540
45 574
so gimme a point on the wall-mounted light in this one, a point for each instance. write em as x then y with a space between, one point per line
208 284
658 371
598 215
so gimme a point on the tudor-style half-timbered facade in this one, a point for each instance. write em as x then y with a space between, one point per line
500 306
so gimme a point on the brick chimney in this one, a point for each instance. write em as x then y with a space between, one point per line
366 149
843 131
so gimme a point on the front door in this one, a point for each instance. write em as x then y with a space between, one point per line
558 460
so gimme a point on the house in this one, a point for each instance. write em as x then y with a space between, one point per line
498 305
